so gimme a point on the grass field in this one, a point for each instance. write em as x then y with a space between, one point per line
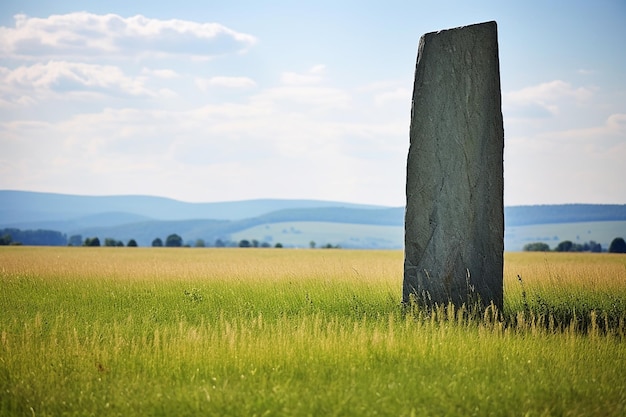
176 332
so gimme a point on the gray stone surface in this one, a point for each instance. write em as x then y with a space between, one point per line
454 223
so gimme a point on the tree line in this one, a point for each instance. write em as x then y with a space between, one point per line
618 245
176 241
13 236
172 241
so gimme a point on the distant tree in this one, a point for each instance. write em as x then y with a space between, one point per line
200 243
254 243
266 245
5 240
565 246
536 247
132 243
244 243
174 241
157 243
75 240
330 246
119 244
278 245
110 242
592 246
219 243
92 241
312 244
37 237
618 245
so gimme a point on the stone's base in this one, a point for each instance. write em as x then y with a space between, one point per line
454 223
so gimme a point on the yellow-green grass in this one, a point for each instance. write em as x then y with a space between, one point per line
570 288
143 331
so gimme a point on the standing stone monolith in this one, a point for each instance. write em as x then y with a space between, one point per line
454 220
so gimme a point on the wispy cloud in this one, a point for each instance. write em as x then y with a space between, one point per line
609 135
313 76
85 35
585 161
41 80
227 82
167 74
543 100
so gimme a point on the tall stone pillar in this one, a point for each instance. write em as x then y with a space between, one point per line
454 221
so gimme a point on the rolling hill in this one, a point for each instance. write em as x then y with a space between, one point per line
25 206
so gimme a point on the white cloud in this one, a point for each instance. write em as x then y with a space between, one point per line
313 76
397 94
167 74
593 139
394 95
318 69
304 98
227 82
43 80
303 92
549 91
577 162
84 35
617 123
543 100
378 86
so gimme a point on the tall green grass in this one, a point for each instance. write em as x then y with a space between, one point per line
585 291
312 332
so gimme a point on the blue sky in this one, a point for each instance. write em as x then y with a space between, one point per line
233 100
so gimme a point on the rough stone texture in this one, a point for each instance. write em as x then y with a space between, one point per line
454 222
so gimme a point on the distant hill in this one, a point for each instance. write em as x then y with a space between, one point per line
25 206
291 222
563 213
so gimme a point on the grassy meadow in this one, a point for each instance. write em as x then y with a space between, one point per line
262 332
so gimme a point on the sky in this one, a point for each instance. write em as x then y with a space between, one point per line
206 101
